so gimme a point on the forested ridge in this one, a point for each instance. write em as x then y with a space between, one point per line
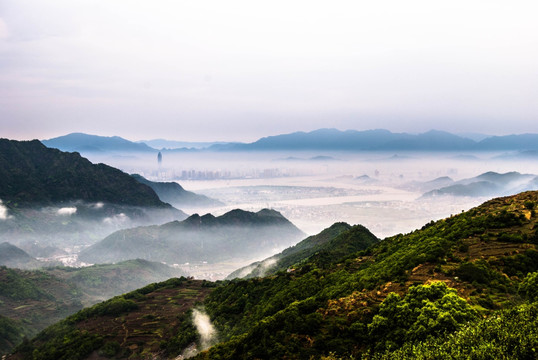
32 174
468 281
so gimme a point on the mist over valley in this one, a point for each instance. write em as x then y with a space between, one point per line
248 180
76 232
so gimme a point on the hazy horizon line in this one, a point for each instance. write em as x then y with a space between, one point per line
464 134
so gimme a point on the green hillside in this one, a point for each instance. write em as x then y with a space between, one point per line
321 309
154 320
31 173
103 281
33 300
333 242
469 280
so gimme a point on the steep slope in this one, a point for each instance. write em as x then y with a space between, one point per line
12 256
334 242
510 334
32 300
54 198
235 234
80 142
34 174
153 321
400 291
101 282
174 194
318 309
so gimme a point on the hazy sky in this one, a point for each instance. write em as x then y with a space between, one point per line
240 70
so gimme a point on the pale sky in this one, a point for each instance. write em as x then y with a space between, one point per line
240 70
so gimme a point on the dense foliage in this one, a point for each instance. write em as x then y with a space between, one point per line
17 286
333 307
408 295
529 287
332 243
426 310
507 334
11 333
33 173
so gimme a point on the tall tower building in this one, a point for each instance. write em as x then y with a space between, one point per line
160 158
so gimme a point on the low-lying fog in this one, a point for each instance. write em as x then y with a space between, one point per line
381 191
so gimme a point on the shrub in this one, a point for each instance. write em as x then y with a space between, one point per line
529 287
426 310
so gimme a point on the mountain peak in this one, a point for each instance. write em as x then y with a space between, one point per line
33 173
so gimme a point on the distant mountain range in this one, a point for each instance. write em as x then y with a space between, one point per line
319 140
208 238
163 144
382 140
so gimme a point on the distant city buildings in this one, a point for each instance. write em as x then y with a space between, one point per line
168 174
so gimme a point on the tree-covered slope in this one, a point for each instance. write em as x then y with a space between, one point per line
31 173
334 242
507 334
401 292
329 307
208 238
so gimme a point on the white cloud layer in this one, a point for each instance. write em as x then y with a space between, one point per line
67 211
3 211
117 220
